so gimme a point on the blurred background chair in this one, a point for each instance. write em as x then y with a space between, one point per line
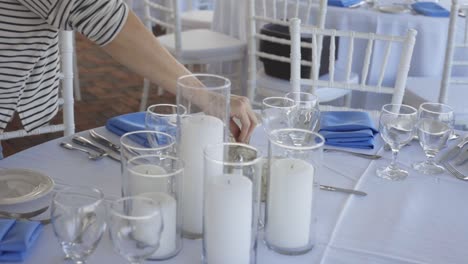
314 83
65 97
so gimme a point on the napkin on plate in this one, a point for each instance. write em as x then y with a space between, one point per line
352 129
18 239
122 124
343 3
430 9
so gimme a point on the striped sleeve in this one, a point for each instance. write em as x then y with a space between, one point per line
98 20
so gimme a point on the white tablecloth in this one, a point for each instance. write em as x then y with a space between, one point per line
419 220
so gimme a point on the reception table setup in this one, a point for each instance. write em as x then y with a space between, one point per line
290 196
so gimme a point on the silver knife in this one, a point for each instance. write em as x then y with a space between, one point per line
453 153
462 158
104 141
337 189
89 144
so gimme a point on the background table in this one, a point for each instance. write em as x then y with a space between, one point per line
419 220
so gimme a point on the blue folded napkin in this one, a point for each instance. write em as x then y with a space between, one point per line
430 9
16 242
352 129
122 124
343 3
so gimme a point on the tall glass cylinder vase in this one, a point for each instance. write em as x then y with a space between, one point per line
295 156
159 177
205 100
231 203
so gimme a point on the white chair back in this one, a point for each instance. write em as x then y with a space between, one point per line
452 46
397 90
277 12
66 99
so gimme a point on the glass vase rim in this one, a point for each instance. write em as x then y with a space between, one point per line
173 140
308 147
75 190
450 109
226 85
117 212
167 115
179 161
279 97
231 163
401 105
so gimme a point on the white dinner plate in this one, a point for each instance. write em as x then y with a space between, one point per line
393 9
21 185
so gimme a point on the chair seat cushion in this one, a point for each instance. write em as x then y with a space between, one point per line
203 45
426 89
194 19
325 94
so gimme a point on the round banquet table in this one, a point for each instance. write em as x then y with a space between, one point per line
230 17
418 220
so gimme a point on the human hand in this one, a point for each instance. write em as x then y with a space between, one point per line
242 110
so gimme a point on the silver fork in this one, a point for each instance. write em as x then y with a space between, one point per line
357 154
454 171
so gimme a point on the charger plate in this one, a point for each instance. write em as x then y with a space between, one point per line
21 185
393 9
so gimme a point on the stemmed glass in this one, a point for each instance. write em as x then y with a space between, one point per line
276 112
434 127
307 114
396 124
78 221
163 118
135 227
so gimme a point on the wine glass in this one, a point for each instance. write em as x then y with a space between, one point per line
163 118
306 115
396 124
135 227
434 127
78 221
276 112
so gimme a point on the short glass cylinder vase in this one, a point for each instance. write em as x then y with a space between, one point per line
202 119
159 177
294 166
231 203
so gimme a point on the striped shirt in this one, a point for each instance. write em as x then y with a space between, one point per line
29 52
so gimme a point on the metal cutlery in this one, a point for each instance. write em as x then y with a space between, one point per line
462 158
357 154
91 156
84 142
338 189
104 141
23 215
454 171
453 153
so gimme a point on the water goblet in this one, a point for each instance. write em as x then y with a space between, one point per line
276 112
163 118
307 114
396 124
135 227
434 127
78 221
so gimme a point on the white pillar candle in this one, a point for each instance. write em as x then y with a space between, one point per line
289 208
147 178
228 220
197 131
168 242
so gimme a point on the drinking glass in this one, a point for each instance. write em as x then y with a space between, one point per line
135 226
78 221
307 114
276 112
396 124
163 118
434 127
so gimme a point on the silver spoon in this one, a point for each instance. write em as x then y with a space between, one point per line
91 156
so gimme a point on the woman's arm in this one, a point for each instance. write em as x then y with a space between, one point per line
137 48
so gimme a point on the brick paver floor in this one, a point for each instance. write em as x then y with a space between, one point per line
107 88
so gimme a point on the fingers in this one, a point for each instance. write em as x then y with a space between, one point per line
234 128
243 111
